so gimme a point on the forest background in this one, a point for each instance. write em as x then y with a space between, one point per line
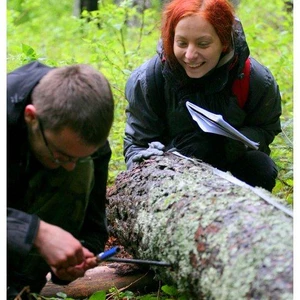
118 38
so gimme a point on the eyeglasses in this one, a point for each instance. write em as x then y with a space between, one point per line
69 159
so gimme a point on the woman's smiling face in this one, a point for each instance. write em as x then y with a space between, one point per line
197 46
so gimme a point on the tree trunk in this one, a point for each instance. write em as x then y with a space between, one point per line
224 239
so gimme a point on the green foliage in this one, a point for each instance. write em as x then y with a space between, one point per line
118 38
166 293
269 35
100 295
28 54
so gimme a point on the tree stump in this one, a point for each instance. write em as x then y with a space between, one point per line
224 239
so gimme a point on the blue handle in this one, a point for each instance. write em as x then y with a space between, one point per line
108 253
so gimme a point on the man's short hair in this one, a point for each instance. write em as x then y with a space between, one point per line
78 97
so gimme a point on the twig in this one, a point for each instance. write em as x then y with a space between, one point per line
126 287
26 289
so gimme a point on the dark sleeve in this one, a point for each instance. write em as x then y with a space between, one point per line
20 84
94 232
143 124
262 122
21 232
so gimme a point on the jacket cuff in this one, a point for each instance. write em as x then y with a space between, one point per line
33 229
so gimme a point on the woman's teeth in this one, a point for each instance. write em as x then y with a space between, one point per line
195 66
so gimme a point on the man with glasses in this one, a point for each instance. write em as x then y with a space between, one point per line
58 122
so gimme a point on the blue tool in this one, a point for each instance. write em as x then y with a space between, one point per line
108 256
109 253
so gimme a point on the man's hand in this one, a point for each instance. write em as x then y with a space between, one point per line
59 248
72 273
155 148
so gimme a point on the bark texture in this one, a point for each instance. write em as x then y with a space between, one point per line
99 279
223 240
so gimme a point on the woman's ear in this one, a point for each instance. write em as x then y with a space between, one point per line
30 115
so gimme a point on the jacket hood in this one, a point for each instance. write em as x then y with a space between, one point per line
240 45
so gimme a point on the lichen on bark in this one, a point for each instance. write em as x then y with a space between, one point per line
223 240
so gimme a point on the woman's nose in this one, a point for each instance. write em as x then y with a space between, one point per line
191 52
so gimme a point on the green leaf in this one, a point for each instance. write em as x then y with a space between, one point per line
169 290
27 49
127 294
100 295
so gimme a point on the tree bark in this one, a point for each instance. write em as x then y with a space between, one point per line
224 239
102 278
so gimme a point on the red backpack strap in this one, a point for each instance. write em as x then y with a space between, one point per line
240 87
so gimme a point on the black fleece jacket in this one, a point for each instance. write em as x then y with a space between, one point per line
152 118
21 226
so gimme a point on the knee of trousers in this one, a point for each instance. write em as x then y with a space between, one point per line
257 169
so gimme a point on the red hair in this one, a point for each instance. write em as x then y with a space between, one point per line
219 13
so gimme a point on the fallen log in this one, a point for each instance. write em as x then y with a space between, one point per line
102 278
224 239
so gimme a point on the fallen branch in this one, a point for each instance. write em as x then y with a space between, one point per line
101 278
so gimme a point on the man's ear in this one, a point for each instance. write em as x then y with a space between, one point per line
30 115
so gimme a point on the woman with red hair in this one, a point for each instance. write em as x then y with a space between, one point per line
202 52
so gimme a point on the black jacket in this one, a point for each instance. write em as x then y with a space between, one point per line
22 227
152 118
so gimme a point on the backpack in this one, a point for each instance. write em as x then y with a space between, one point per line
240 86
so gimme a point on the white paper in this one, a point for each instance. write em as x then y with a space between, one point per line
213 123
